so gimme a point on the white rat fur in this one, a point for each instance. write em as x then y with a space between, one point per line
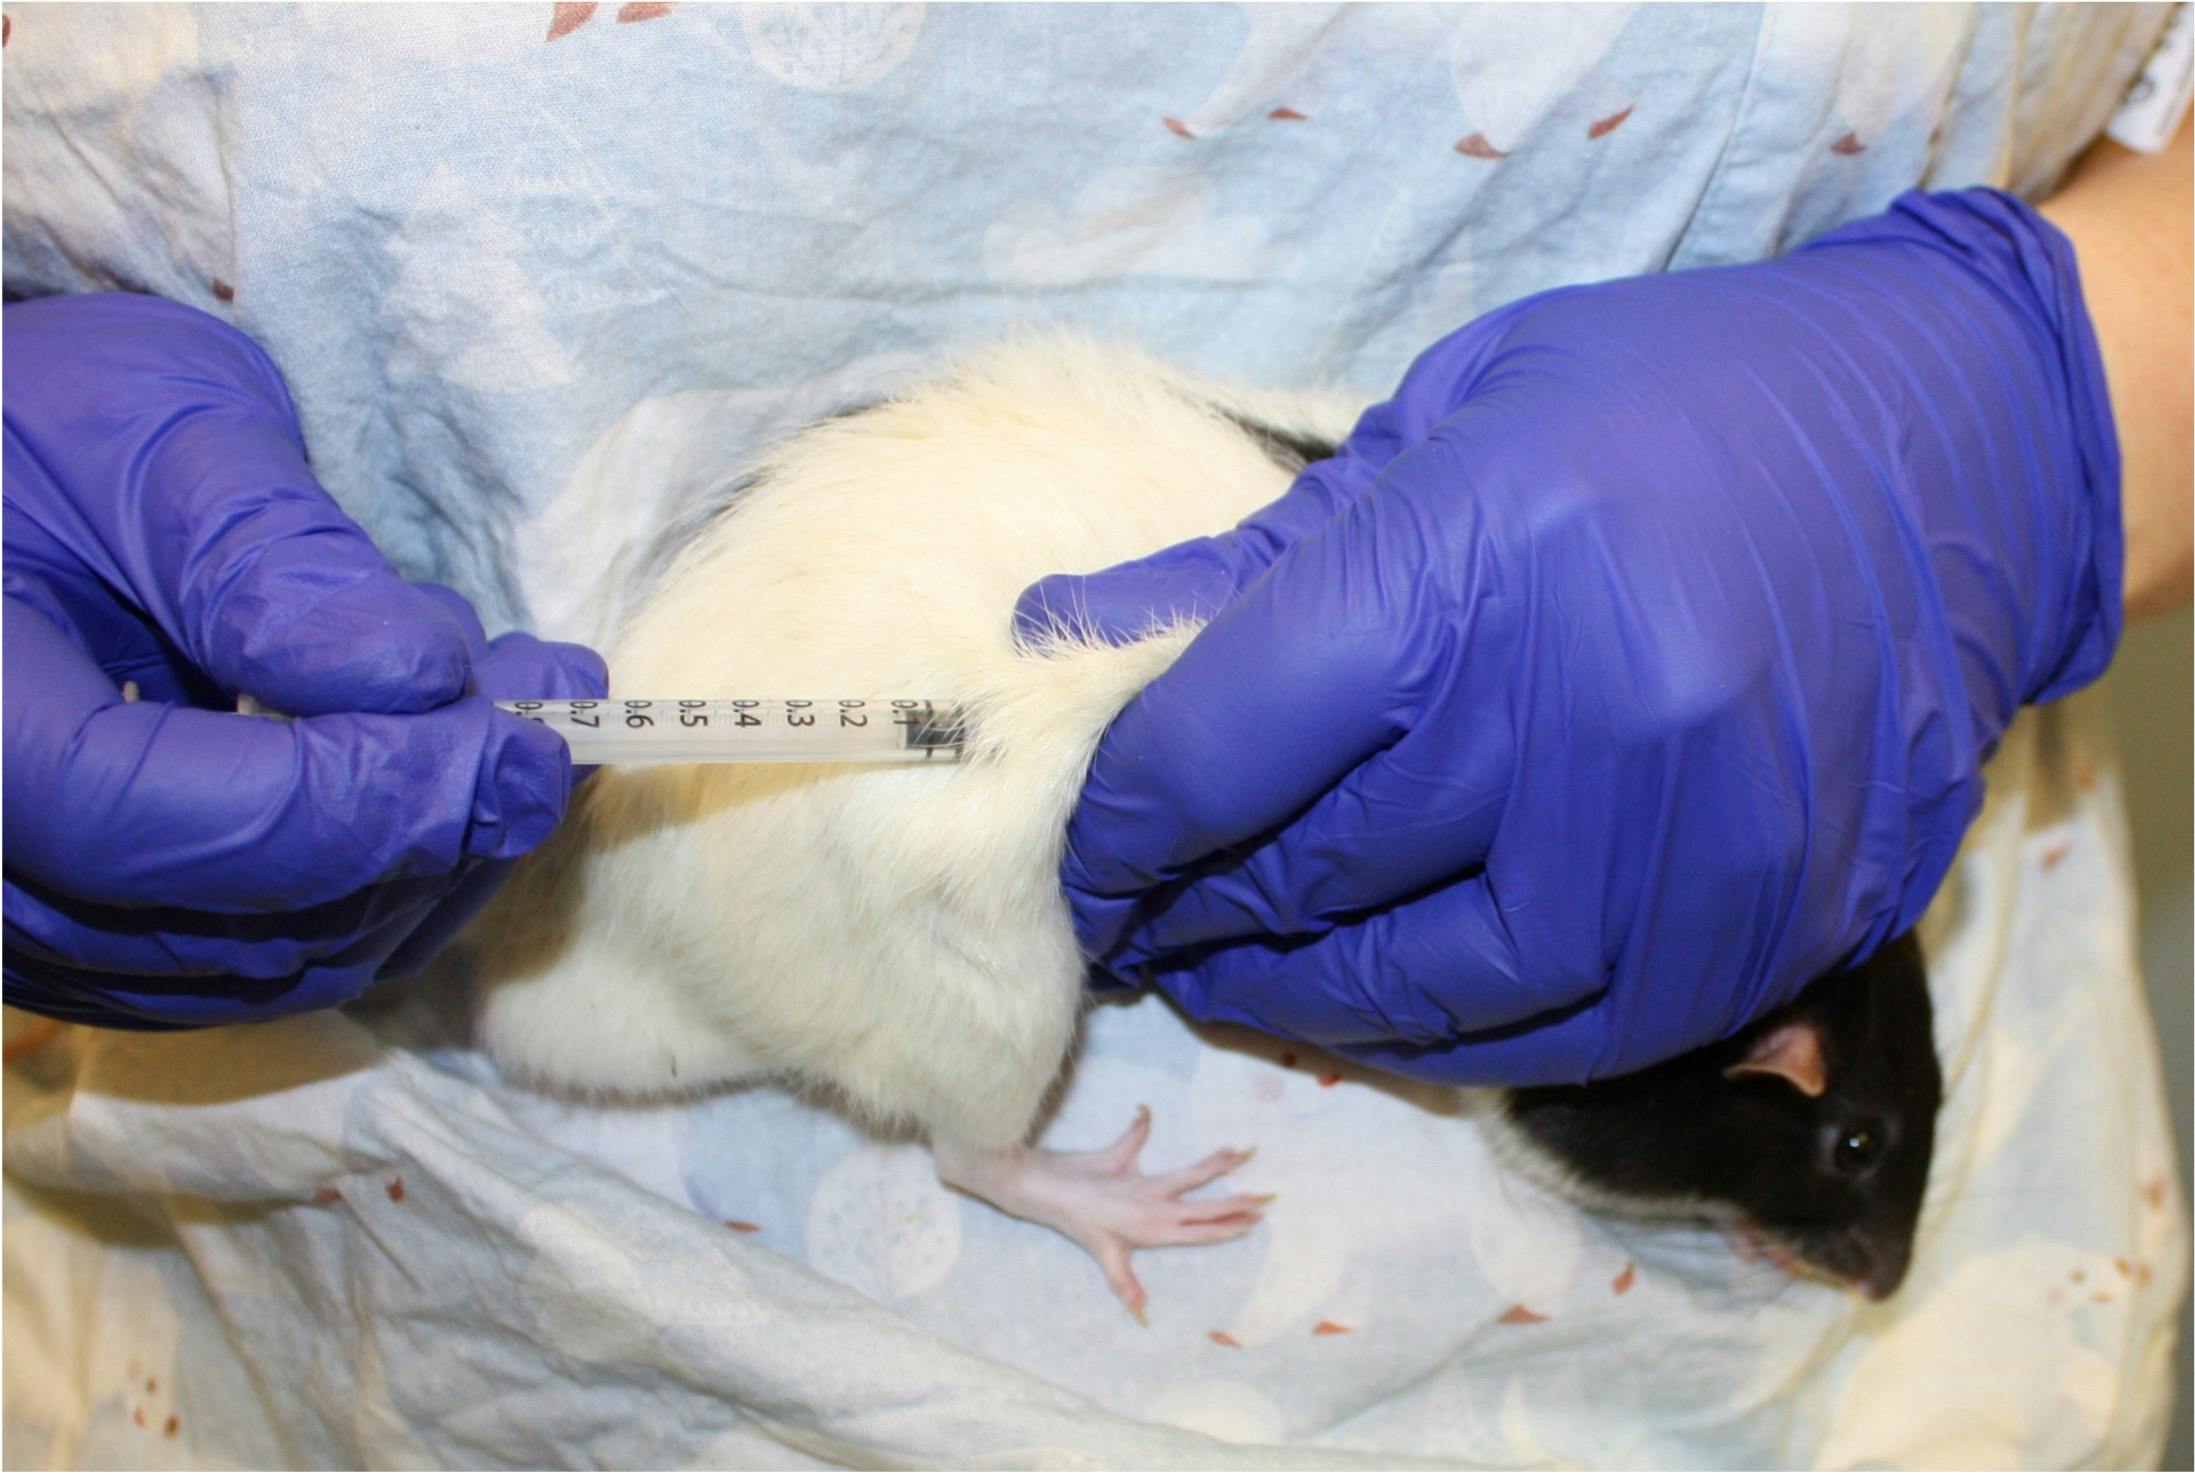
895 934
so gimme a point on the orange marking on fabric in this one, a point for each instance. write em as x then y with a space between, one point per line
1609 124
567 17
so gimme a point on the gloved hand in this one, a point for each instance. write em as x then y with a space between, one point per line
171 862
1633 665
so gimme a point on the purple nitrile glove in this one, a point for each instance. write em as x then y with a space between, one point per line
168 861
1633 665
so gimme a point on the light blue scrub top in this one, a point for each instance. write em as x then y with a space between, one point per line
477 237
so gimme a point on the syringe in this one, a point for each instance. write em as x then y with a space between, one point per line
754 730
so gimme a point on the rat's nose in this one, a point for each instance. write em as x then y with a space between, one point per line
1885 1271
1875 1265
1872 1264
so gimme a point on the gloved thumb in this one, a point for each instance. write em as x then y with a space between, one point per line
1189 582
1193 581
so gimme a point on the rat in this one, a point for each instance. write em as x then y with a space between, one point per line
894 936
1811 1129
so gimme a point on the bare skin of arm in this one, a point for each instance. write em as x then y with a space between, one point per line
2128 216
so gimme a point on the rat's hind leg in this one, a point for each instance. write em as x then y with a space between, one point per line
1101 1201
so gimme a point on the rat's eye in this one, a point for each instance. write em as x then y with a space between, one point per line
1858 1149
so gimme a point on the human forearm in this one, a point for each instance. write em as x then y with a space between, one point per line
2127 215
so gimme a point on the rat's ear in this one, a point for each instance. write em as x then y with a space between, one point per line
1793 1051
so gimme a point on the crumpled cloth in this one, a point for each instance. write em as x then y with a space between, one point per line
540 277
342 1241
502 252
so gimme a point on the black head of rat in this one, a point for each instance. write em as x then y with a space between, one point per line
1813 1126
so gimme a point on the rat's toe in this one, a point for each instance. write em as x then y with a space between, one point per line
1120 1276
1218 1165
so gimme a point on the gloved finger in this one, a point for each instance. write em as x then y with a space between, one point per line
1194 580
1336 653
1431 805
48 576
520 668
446 919
1430 971
118 1002
168 942
1567 1047
187 476
319 622
64 992
143 804
1100 924
461 613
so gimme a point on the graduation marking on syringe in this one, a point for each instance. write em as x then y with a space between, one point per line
753 729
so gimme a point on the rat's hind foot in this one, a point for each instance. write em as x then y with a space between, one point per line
1102 1202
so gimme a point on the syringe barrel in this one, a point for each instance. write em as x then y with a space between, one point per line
627 730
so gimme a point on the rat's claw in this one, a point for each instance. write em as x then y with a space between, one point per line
1112 1258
